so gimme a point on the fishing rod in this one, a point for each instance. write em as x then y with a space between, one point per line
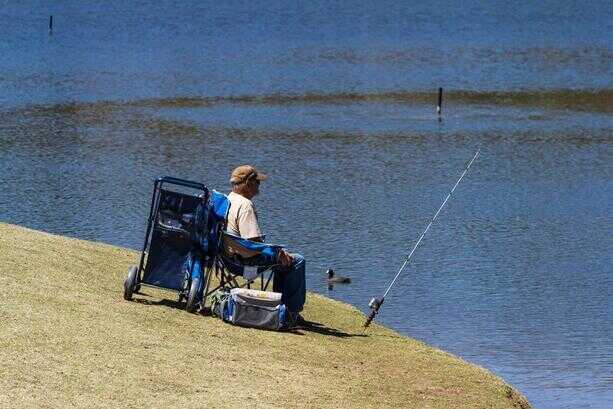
375 303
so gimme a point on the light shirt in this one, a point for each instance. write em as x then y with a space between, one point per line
242 218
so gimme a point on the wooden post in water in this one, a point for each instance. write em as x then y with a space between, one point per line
51 24
440 102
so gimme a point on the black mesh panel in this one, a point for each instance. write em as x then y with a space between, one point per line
171 241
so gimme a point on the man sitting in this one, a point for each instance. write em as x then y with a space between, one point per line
289 277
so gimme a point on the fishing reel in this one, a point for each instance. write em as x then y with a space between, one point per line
374 305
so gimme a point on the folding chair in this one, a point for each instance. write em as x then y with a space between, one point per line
236 262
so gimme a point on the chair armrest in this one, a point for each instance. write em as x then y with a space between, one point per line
270 251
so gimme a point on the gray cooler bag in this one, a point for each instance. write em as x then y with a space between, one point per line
254 308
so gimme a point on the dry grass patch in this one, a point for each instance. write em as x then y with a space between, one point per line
68 339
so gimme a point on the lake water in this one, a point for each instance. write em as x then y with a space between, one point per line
336 102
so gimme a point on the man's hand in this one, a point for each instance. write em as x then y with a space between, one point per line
285 258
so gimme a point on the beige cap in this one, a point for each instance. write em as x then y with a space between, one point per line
244 173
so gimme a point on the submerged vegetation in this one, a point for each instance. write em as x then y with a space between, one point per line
68 339
580 100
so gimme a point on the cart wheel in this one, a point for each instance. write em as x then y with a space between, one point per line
192 297
182 296
130 283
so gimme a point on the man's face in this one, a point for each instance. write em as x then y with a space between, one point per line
256 184
253 187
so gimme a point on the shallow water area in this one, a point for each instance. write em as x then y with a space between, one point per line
359 118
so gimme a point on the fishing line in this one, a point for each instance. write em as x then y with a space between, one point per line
375 303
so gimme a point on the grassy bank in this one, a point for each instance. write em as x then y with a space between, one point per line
68 339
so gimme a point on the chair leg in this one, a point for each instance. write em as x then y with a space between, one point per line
270 276
207 283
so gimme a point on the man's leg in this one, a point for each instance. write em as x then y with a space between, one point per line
290 282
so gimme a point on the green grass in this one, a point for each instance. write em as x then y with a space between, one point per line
68 339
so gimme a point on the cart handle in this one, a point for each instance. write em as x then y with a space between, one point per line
181 182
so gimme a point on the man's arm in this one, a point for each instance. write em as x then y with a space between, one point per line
284 258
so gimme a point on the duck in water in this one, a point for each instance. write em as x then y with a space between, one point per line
338 279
